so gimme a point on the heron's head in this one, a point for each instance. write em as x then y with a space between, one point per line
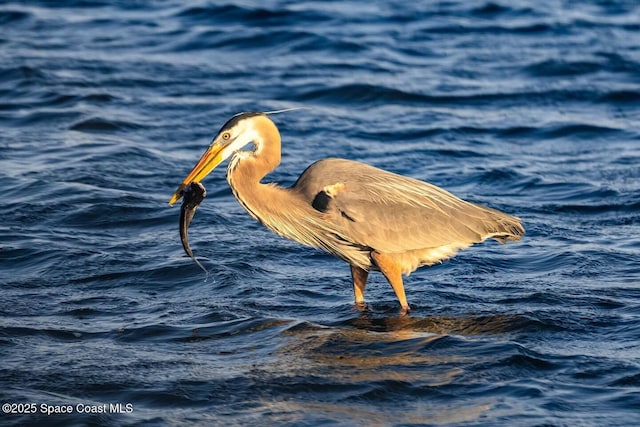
235 134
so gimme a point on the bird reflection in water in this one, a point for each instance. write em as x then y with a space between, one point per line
370 357
379 342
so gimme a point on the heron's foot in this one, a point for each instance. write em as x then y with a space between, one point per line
405 310
361 306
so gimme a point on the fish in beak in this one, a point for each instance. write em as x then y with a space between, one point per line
194 194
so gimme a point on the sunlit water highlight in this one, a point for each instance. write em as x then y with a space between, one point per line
529 107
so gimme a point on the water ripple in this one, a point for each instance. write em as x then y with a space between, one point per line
531 108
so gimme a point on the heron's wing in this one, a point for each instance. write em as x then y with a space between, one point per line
393 213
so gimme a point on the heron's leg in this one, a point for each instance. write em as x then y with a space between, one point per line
359 276
393 273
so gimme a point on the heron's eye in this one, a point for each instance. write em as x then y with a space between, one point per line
226 136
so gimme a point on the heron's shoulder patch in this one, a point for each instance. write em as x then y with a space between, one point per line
323 198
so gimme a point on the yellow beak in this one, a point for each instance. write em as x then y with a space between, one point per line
209 160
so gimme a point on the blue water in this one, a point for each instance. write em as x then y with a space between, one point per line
529 107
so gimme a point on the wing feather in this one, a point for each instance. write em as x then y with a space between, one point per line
394 213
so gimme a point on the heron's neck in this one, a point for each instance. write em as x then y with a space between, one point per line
282 210
247 169
251 167
264 202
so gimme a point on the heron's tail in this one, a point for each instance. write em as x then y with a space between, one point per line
505 227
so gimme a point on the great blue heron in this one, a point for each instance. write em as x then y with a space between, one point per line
370 218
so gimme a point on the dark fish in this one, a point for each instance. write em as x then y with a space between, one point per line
193 194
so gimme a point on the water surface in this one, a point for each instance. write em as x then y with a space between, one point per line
528 107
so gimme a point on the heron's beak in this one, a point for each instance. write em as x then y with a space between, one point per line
209 160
